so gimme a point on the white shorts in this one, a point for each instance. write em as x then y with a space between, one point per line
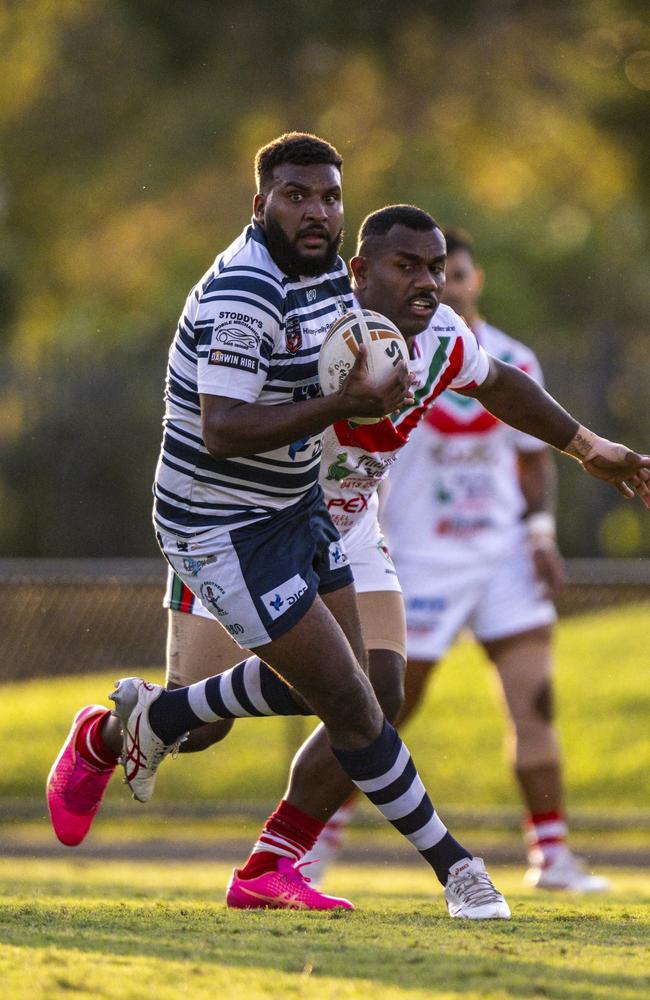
370 561
494 601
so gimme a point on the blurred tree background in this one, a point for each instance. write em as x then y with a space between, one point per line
127 132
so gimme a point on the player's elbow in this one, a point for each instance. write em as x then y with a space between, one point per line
219 439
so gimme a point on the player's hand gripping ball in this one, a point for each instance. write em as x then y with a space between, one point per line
385 345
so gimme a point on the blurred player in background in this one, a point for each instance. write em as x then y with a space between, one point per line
477 550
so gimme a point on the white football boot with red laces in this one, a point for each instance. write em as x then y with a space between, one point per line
142 751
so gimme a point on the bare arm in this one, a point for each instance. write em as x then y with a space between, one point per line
538 482
518 400
231 427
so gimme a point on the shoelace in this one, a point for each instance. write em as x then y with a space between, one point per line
139 760
302 864
476 887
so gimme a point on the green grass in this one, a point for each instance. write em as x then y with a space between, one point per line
603 704
134 931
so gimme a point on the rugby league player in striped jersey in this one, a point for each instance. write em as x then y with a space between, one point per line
240 516
382 768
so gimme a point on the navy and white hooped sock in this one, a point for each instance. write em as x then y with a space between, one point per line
385 772
248 689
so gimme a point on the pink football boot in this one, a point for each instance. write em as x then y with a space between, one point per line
284 889
74 786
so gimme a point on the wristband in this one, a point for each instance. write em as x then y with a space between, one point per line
540 528
541 524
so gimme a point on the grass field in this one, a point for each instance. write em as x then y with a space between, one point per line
134 931
603 706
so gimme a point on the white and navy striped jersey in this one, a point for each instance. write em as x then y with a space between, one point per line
247 332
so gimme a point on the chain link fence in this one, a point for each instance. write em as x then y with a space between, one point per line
73 616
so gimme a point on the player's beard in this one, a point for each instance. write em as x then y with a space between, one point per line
290 260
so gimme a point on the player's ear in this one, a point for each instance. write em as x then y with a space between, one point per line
359 268
259 201
480 279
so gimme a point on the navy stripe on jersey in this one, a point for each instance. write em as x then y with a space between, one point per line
289 319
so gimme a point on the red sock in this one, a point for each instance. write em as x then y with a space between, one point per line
288 829
545 835
91 746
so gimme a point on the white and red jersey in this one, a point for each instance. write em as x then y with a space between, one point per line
455 495
356 458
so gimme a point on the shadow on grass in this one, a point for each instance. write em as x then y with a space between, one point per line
400 947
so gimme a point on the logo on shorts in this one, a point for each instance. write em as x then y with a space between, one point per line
194 566
426 604
281 598
338 555
211 594
293 335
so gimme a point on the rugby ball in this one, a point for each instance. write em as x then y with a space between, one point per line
386 348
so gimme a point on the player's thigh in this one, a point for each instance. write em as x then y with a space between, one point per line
344 607
197 648
512 601
316 658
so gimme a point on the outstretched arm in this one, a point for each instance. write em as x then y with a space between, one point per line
518 400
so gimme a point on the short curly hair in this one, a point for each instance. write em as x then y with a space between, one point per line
293 147
379 223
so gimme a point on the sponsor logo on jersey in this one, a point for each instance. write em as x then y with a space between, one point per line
338 555
238 317
234 336
311 294
281 598
230 359
297 446
461 527
338 470
211 593
351 505
235 629
293 335
303 392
